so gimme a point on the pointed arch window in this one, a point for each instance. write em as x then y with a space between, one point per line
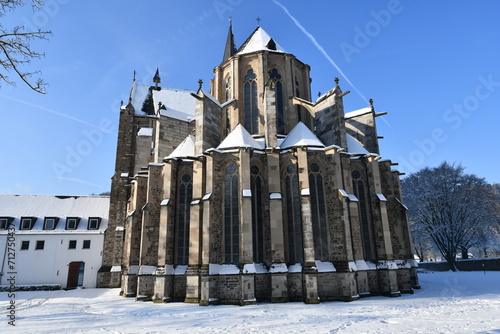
278 88
251 106
257 215
318 212
231 216
185 196
228 88
293 215
364 217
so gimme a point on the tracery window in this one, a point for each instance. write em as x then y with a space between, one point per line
251 106
293 215
278 88
364 217
228 88
257 215
231 216
318 212
185 195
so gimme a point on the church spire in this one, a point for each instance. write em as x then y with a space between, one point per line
230 49
156 78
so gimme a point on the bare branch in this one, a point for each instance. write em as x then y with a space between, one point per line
15 48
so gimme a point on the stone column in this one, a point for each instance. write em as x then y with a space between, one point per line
195 225
386 266
246 235
164 280
133 233
309 268
149 237
279 285
207 206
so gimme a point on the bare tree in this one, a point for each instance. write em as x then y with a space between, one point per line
15 48
450 206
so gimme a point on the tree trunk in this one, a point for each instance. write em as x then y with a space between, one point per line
451 262
465 253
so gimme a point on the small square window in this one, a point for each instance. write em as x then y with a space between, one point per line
25 244
94 223
26 223
40 244
4 222
86 244
72 244
50 224
72 223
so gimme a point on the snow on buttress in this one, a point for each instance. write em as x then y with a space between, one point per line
239 137
301 136
354 146
357 112
185 149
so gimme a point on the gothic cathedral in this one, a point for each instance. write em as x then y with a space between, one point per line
252 192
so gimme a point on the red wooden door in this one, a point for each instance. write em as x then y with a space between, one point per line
73 270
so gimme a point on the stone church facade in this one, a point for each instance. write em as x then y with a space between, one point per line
251 192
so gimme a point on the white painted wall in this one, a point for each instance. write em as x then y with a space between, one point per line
50 265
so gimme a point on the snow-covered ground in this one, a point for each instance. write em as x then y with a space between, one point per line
460 302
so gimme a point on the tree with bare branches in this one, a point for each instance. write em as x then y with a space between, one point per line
15 48
451 207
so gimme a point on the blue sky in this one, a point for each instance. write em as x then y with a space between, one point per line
432 66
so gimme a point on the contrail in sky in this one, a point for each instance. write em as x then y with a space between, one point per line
54 112
320 48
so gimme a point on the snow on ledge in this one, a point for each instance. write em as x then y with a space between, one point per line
295 268
278 268
275 196
254 268
180 270
133 270
403 264
116 269
147 270
325 267
223 269
413 263
386 264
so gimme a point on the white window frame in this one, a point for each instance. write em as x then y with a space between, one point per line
96 220
45 227
68 222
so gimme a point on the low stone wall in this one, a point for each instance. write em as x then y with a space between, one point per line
34 287
492 264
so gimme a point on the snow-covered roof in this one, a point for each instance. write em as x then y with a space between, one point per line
178 103
239 137
139 94
185 149
259 41
358 112
354 146
62 207
301 136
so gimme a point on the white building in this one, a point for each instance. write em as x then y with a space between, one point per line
48 239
